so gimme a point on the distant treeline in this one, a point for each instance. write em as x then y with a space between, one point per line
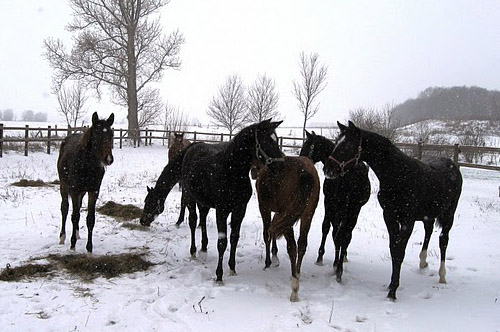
455 103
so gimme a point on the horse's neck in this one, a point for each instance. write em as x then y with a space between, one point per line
326 150
238 157
88 154
383 157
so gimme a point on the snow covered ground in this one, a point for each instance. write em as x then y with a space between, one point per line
179 294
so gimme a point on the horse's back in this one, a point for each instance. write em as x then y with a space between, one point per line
203 175
292 183
67 153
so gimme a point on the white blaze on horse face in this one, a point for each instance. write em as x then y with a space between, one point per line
274 137
341 140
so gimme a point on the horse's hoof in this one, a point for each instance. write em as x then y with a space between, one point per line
392 296
232 273
339 279
275 261
219 283
202 255
62 240
319 262
442 280
177 225
294 298
72 248
423 265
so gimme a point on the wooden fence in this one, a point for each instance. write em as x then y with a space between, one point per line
49 138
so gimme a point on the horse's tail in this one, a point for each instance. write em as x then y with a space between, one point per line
306 187
171 174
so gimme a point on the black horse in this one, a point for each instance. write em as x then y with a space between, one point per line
216 176
410 190
344 197
81 163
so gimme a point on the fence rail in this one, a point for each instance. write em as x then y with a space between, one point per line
49 137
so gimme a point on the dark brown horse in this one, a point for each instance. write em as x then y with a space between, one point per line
81 163
291 191
178 144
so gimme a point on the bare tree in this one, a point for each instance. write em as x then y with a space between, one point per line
228 108
262 100
118 43
382 121
174 119
312 81
150 107
71 100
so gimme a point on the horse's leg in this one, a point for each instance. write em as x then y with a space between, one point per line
305 226
64 210
428 227
183 210
446 222
193 218
274 251
93 195
76 200
203 225
236 219
337 220
265 213
344 236
398 239
291 247
221 217
325 230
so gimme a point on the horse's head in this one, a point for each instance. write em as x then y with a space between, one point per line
101 138
267 149
346 153
178 137
153 207
312 146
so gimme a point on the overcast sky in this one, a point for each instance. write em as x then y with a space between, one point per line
377 52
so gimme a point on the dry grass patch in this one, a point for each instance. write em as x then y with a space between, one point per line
124 212
86 267
25 271
34 183
109 266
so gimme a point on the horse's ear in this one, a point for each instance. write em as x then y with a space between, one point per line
149 189
308 134
95 118
275 124
351 125
111 119
313 133
341 126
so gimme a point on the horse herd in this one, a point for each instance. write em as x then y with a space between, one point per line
217 176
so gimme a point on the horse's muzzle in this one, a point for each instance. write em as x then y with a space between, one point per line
108 160
146 220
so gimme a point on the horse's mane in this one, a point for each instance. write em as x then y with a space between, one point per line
85 139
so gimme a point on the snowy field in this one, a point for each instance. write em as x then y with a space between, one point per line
179 294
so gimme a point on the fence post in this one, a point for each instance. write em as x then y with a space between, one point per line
281 143
1 140
456 151
419 150
121 137
150 138
221 137
26 140
138 137
194 139
48 139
